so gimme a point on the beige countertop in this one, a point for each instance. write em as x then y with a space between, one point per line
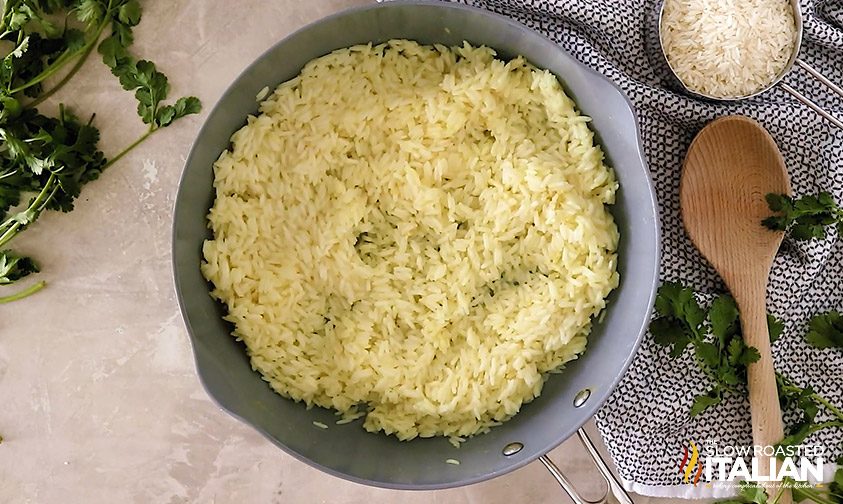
99 399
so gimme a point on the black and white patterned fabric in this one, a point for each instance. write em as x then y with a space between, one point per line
646 424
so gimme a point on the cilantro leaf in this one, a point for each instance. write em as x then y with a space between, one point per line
18 51
91 12
753 493
750 355
724 318
805 218
669 332
775 327
14 182
779 202
836 486
14 267
165 115
701 402
129 13
185 105
112 51
735 349
826 330
708 354
665 299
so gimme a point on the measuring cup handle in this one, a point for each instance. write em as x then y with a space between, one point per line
613 486
816 108
820 77
810 103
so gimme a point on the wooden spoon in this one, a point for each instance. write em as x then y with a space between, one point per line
730 167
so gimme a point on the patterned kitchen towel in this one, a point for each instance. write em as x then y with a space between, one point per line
646 424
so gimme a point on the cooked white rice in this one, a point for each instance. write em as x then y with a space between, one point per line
728 48
415 233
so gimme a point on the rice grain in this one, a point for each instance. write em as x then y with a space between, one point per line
417 234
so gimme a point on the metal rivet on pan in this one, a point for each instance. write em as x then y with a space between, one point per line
512 448
581 397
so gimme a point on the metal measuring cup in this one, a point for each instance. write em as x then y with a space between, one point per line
654 39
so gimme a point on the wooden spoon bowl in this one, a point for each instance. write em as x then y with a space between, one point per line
730 167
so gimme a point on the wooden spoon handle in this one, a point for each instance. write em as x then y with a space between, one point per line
767 429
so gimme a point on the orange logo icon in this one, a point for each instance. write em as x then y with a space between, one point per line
686 467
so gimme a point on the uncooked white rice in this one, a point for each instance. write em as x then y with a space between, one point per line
414 233
728 48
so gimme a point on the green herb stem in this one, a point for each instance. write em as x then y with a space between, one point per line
712 376
13 225
778 495
6 6
824 425
18 45
832 408
49 71
86 51
814 496
10 233
32 289
131 146
62 60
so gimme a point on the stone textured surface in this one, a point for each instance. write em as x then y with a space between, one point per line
99 400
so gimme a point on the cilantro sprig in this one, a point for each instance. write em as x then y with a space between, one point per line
720 352
808 404
150 86
45 161
806 217
714 335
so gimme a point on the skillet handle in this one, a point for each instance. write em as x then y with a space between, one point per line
613 486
